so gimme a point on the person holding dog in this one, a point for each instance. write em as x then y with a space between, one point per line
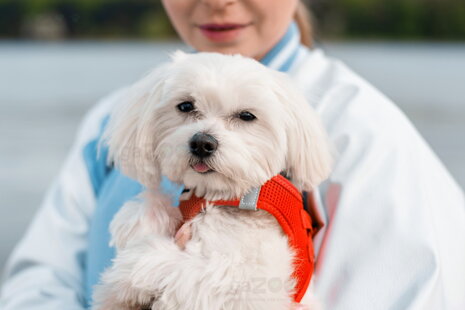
391 218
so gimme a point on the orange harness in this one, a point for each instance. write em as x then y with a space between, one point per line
279 197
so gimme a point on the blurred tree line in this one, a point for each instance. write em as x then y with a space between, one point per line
418 19
404 19
86 18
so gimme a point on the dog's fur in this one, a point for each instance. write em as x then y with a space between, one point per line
236 259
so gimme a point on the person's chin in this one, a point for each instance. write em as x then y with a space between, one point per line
235 47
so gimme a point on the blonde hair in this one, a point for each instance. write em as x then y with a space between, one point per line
303 18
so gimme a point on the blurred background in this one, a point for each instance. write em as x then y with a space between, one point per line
58 57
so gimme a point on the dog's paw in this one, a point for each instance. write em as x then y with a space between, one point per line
183 235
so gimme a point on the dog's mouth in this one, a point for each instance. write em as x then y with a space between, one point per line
201 167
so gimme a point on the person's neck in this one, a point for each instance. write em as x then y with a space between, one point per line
281 55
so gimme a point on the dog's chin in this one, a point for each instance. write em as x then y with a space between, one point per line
207 179
211 184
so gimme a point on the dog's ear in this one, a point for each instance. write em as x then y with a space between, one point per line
129 132
308 159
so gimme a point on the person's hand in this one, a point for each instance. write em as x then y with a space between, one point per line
183 235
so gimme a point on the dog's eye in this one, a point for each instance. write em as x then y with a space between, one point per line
186 106
246 116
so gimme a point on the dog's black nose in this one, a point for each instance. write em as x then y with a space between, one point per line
203 145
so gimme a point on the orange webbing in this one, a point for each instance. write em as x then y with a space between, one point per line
281 199
284 202
191 207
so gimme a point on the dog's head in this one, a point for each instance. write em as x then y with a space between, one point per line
217 124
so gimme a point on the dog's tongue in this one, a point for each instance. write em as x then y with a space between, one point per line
201 167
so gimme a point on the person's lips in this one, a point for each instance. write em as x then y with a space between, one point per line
222 32
221 27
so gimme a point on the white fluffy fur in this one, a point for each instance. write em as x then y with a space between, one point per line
236 259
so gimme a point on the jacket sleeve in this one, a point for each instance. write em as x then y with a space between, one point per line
395 233
46 269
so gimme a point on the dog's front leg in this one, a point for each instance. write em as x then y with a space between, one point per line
157 269
151 213
129 284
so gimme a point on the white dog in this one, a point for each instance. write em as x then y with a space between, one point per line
220 125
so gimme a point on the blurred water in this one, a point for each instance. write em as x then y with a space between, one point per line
46 88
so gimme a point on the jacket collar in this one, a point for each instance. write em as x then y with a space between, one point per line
284 54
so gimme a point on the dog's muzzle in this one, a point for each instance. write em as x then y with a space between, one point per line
203 145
